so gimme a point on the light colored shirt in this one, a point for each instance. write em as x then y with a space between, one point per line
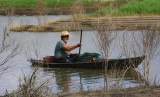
59 52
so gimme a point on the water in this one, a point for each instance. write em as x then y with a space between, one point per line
61 79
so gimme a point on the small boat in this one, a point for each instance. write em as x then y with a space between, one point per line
112 63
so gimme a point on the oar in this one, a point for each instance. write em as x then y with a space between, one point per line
80 42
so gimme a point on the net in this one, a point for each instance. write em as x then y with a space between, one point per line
89 57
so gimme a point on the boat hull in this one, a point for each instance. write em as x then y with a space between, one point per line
112 64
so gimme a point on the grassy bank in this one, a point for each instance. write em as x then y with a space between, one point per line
113 7
143 7
49 3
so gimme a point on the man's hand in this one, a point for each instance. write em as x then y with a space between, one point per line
69 53
79 44
71 47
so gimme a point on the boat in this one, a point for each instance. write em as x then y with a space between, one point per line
112 63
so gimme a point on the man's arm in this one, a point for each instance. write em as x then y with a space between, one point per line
71 47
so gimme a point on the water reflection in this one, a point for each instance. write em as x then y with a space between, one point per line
91 78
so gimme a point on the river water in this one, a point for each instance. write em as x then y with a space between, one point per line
61 79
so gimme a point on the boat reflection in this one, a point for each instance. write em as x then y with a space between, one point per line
67 77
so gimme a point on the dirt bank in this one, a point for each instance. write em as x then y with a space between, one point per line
41 11
117 23
152 91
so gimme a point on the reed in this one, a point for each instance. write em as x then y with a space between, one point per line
150 42
32 86
9 49
42 11
105 39
146 42
77 11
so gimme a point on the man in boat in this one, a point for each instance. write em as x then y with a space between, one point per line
62 51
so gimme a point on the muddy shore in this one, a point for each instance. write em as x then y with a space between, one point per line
42 11
152 91
87 24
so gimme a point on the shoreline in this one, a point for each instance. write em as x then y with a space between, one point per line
150 91
127 23
42 11
139 91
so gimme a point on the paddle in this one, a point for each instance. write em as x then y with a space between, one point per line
80 42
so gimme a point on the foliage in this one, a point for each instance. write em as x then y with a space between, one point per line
89 2
50 3
143 7
132 8
32 86
19 3
59 3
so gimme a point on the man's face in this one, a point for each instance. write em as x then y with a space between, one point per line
65 38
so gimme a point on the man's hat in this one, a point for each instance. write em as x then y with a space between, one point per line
65 33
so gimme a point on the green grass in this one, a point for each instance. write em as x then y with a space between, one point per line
140 7
18 3
102 12
133 8
49 3
144 7
61 3
89 2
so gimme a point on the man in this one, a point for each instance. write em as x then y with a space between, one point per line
62 51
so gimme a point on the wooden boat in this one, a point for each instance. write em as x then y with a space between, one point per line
112 63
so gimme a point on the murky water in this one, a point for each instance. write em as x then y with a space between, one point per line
61 79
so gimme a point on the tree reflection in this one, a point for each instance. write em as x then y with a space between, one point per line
64 77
